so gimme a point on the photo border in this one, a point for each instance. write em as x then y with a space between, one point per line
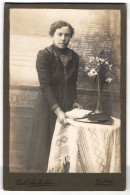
63 181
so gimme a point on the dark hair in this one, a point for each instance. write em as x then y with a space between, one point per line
59 24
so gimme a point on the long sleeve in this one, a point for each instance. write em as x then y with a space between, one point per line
44 75
75 80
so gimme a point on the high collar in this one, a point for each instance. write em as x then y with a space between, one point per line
58 51
61 51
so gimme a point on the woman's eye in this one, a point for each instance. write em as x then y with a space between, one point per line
67 35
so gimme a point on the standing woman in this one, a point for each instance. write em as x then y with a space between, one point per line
57 68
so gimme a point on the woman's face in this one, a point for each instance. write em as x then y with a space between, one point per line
62 37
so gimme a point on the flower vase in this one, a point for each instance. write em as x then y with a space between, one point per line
98 116
99 97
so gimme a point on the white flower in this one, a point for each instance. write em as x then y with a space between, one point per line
110 66
97 58
92 73
91 59
106 62
109 80
102 59
86 69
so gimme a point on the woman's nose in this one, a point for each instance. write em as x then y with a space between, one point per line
63 37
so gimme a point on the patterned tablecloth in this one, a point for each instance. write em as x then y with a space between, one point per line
85 148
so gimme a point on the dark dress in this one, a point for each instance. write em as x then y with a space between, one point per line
57 72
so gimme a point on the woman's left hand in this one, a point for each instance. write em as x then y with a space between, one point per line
61 116
77 105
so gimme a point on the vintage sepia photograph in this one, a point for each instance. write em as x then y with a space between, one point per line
65 90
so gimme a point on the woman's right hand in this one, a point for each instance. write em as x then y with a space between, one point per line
61 116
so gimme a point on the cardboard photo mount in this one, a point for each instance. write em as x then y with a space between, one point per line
60 181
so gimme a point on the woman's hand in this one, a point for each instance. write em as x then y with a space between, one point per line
77 105
61 116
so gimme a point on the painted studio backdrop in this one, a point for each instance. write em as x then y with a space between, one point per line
96 31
